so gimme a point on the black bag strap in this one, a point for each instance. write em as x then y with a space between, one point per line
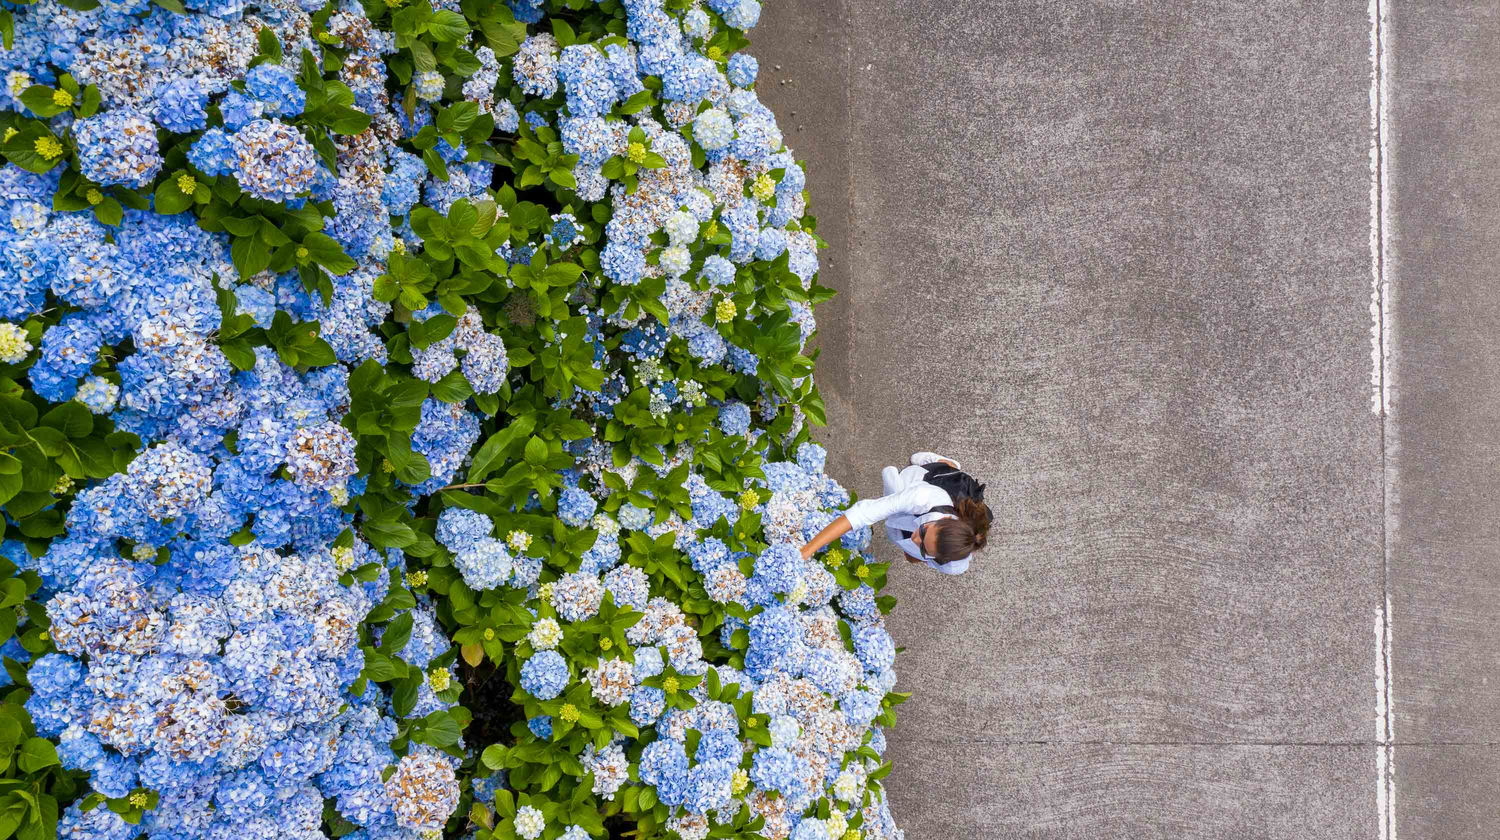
941 509
957 483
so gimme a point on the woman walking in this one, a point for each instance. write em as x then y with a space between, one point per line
933 511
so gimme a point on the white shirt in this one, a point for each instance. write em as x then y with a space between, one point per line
904 506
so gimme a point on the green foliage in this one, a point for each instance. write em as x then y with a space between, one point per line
515 473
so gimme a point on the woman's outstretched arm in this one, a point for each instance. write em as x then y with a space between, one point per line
832 531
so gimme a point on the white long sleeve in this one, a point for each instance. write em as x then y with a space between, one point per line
913 500
923 458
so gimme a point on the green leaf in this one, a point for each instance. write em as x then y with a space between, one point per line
12 813
22 148
169 199
422 57
70 418
12 592
38 99
397 634
109 211
488 454
536 451
388 534
440 729
638 102
404 695
326 251
37 754
270 45
434 329
447 26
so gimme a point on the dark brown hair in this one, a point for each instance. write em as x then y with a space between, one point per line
957 538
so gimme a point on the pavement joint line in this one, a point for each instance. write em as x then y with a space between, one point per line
1380 310
1341 744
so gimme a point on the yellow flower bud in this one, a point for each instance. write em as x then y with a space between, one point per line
48 147
763 188
62 98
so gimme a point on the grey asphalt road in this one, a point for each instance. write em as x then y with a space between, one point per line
1203 291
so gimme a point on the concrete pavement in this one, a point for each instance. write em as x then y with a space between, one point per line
1200 290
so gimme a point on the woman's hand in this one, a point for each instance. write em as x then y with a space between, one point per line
832 531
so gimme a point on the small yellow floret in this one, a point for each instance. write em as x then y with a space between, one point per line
763 188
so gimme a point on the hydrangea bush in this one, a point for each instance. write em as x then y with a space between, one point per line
403 432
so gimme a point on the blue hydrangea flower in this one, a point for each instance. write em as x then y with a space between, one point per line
118 147
622 263
213 153
180 105
734 418
713 129
544 675
276 87
540 726
742 69
273 160
484 564
458 528
575 507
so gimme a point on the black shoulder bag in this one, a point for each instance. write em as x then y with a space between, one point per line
957 483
